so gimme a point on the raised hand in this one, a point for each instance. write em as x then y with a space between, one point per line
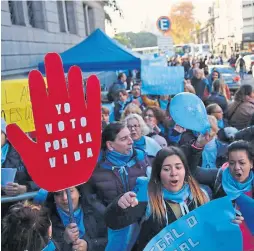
128 200
68 127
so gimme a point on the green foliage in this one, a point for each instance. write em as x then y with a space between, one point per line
123 40
112 4
137 40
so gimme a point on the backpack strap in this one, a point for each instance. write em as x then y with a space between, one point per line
238 105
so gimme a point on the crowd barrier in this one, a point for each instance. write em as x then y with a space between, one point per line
25 196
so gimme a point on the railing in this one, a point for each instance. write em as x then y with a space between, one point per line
25 196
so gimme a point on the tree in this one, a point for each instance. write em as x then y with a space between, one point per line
122 39
112 4
137 40
183 23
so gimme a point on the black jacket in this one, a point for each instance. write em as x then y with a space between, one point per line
117 110
188 138
199 86
217 98
13 160
246 134
106 184
95 230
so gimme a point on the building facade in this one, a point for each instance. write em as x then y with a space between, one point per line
248 26
205 34
30 29
227 26
223 29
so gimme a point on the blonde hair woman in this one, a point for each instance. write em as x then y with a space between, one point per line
224 90
131 109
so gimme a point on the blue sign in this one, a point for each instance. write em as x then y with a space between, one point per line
164 23
208 227
160 80
246 205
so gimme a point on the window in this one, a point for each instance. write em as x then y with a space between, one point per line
60 11
85 11
70 17
90 19
36 14
16 12
30 13
247 19
246 5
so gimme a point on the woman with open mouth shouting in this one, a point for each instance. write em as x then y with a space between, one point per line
234 180
172 193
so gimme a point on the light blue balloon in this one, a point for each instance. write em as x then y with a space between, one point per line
188 111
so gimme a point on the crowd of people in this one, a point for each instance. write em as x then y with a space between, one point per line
235 61
143 148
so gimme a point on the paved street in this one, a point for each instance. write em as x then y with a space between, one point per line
248 80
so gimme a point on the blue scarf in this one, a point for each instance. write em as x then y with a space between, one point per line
232 187
220 123
79 219
118 159
174 136
196 134
162 128
209 154
122 163
5 150
50 247
123 105
179 197
163 104
140 143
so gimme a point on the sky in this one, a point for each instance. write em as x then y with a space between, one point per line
140 14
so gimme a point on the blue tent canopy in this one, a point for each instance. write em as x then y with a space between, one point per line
99 52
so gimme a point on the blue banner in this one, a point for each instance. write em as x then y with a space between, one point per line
246 205
159 80
151 60
207 228
122 239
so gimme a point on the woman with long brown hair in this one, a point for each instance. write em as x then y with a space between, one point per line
172 193
157 121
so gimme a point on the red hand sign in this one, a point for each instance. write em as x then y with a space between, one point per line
68 127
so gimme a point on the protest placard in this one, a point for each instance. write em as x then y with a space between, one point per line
68 127
246 205
159 80
205 228
16 104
